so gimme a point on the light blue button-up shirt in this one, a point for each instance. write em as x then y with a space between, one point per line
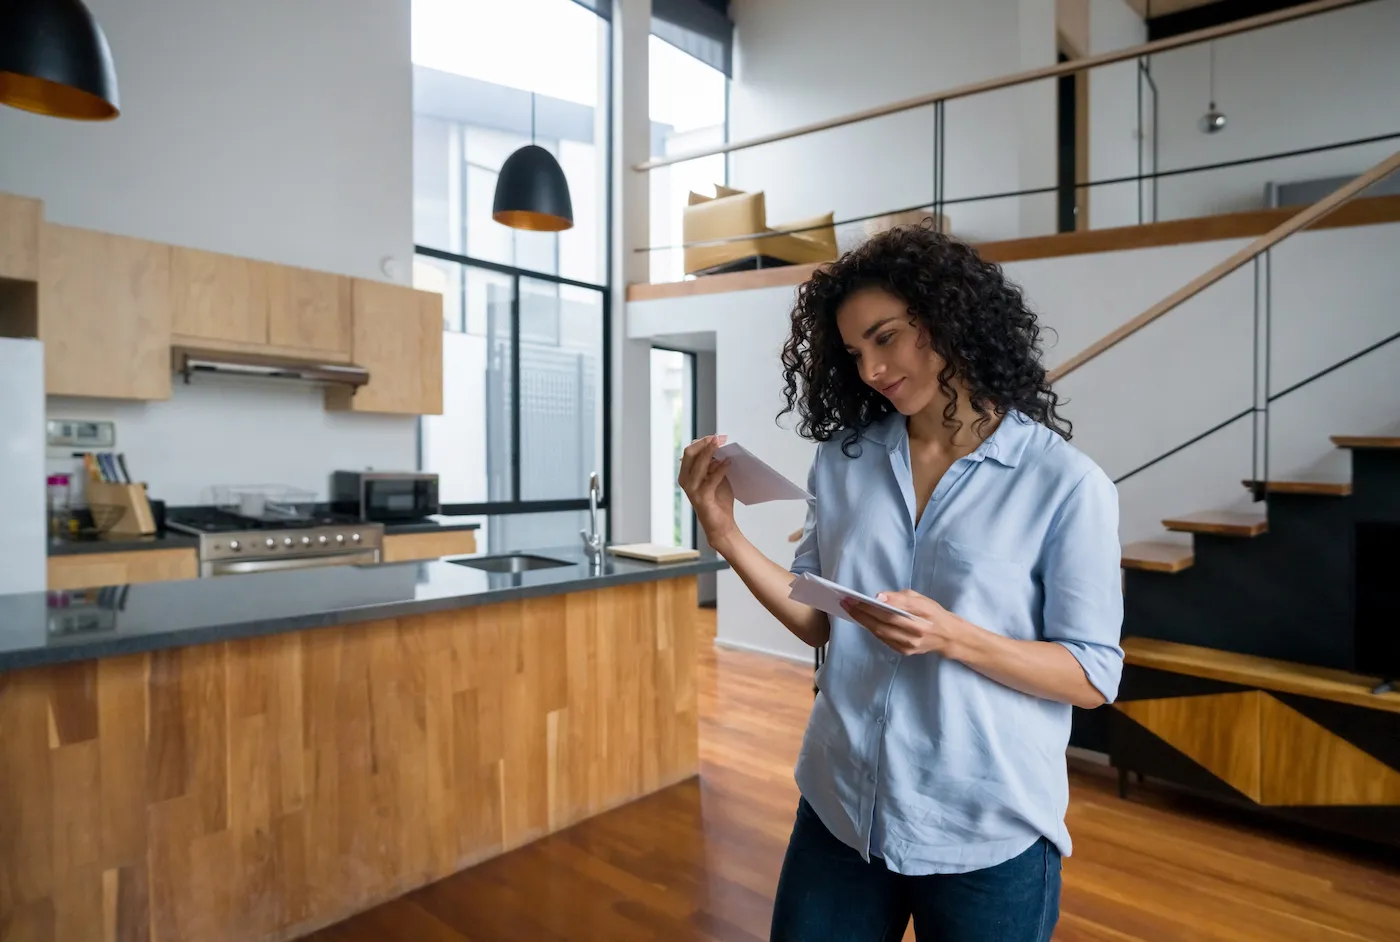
921 760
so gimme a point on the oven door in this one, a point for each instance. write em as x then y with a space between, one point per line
399 498
237 567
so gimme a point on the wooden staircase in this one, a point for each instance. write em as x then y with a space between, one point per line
1276 584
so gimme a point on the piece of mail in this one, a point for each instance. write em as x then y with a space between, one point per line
754 482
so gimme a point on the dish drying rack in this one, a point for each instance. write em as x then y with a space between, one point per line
271 502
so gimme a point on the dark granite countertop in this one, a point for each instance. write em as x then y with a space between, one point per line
434 524
52 627
123 544
170 540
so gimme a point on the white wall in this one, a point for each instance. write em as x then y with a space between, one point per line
1332 296
221 430
1113 114
273 130
798 61
1314 81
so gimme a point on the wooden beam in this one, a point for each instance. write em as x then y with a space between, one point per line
1367 211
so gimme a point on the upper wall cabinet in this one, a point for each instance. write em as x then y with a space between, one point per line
398 338
19 237
309 311
220 298
104 314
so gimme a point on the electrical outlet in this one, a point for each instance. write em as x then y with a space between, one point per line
78 433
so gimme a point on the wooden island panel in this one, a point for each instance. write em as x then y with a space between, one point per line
258 789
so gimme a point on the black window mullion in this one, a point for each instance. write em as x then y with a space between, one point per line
515 390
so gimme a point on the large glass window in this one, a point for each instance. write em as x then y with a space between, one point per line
689 110
524 313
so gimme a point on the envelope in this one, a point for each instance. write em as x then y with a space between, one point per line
753 481
825 595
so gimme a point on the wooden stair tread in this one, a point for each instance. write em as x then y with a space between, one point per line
1366 441
1219 523
1155 556
1320 488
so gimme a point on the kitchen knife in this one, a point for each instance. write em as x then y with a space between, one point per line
126 473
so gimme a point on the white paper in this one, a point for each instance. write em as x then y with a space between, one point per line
825 595
753 481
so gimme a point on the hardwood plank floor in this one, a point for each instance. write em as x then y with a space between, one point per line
699 861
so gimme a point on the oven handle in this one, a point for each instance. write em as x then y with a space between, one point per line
232 567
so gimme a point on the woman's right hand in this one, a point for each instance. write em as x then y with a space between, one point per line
703 480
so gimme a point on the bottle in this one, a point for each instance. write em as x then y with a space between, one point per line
59 511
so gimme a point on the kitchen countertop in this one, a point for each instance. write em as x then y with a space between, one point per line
170 540
52 627
123 544
436 524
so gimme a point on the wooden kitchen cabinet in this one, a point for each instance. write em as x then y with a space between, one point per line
19 237
398 338
220 298
86 570
104 314
309 311
402 547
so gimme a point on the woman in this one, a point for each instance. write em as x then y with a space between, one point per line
932 771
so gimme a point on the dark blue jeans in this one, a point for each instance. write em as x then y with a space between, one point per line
827 893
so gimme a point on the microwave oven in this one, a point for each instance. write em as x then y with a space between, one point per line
385 496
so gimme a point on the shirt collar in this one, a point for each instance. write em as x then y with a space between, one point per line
1004 446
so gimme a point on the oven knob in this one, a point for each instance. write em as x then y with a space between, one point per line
235 545
321 540
355 537
286 541
271 543
340 537
306 541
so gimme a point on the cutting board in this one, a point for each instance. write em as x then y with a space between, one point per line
653 553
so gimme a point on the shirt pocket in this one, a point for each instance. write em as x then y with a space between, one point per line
993 591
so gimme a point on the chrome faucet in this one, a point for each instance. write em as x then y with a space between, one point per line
592 539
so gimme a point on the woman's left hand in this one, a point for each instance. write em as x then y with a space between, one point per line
932 629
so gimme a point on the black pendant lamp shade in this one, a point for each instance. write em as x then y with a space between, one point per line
531 192
54 60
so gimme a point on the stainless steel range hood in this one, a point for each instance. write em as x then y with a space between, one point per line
188 361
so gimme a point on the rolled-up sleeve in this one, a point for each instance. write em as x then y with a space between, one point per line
806 557
1083 581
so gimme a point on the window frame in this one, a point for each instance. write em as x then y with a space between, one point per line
516 505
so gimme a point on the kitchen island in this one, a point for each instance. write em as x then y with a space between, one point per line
253 757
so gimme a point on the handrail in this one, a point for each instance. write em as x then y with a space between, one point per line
1016 78
1311 214
1034 191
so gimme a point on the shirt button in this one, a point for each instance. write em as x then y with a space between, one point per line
893 657
870 779
879 721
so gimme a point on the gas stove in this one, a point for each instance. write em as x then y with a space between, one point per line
231 544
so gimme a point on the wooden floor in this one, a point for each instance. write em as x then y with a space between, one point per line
700 860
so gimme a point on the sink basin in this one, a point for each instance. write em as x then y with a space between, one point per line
515 562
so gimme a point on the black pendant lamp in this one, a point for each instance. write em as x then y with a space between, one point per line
531 192
54 60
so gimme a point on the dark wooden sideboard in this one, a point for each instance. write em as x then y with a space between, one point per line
1305 743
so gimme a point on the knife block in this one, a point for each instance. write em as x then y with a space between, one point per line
125 504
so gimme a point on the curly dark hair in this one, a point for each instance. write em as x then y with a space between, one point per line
975 319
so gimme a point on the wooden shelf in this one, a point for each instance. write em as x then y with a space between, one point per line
1266 673
1152 556
1219 523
